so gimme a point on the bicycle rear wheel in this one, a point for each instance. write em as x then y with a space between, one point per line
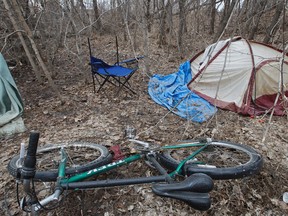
81 157
219 160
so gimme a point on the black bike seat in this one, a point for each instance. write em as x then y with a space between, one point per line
193 191
199 201
198 182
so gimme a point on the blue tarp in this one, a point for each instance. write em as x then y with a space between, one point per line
171 91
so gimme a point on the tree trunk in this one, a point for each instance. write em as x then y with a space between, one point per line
170 26
148 14
254 28
182 20
162 25
212 17
146 20
257 10
25 8
23 42
228 9
120 17
34 47
272 27
251 11
97 15
198 22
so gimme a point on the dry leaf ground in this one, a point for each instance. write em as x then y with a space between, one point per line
102 118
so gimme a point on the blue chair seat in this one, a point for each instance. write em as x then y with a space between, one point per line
115 71
99 66
119 74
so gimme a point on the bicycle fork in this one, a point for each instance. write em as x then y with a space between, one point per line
28 172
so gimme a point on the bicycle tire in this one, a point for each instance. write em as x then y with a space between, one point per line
251 165
103 157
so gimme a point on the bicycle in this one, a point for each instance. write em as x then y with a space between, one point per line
197 162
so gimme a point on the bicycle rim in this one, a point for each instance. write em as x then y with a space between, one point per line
81 157
219 160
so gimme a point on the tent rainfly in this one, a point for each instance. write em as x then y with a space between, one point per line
243 76
11 105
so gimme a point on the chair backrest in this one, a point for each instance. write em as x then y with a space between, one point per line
98 63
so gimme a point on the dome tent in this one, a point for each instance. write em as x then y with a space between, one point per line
242 76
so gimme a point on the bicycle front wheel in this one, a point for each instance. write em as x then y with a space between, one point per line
219 160
81 157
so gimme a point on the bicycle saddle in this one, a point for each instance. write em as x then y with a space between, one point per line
193 191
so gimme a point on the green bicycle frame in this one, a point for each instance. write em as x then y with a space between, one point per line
102 169
113 165
181 164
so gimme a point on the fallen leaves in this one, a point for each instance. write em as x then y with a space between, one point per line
102 118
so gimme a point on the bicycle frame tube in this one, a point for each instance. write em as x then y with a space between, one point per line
62 165
72 184
105 168
184 145
113 182
102 169
181 164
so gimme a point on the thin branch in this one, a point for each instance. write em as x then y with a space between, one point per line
280 84
7 36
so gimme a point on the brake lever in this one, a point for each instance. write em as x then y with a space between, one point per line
23 203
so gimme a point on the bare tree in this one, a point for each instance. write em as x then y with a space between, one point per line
162 23
97 15
228 9
270 31
182 21
18 15
23 42
255 11
147 5
46 28
213 16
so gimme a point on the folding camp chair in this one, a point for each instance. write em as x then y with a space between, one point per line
116 74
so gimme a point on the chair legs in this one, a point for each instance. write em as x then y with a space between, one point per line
121 84
124 84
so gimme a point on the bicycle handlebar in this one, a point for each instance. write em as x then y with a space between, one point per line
28 170
28 173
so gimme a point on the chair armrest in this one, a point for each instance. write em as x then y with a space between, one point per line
131 62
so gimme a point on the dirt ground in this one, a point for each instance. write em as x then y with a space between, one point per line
103 117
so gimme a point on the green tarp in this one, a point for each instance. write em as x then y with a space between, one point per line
11 105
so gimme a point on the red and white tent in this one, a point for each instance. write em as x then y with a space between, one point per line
242 76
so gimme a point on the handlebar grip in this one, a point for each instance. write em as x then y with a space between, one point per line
28 170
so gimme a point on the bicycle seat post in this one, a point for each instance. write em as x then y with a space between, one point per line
157 166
